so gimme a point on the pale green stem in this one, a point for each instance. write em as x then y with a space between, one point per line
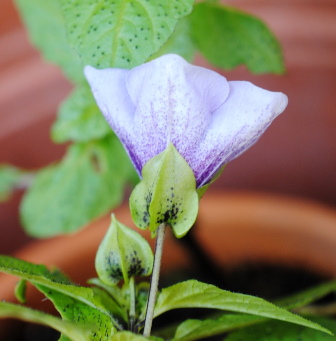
132 304
154 280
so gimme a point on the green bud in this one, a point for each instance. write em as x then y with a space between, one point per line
166 194
122 254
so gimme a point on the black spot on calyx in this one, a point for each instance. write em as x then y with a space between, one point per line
113 267
169 215
135 267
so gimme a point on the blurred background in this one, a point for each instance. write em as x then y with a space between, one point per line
295 157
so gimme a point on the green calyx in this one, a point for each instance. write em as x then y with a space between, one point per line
167 194
122 254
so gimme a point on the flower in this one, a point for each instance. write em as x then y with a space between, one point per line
208 119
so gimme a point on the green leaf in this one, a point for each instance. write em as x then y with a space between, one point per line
85 306
191 330
166 194
98 323
308 296
128 336
79 118
193 294
195 329
39 274
123 254
20 291
180 42
9 177
114 292
276 331
228 37
142 298
46 27
87 183
74 331
121 33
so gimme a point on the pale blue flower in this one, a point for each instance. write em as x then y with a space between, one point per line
209 120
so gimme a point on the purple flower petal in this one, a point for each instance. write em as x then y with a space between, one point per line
209 121
174 102
236 126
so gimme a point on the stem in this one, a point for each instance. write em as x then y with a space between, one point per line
132 304
154 280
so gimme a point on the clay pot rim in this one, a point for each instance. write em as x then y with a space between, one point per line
251 213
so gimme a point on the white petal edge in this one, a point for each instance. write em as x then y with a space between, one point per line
109 90
236 126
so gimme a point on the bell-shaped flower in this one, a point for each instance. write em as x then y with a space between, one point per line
208 119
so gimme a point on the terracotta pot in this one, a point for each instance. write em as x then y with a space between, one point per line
233 228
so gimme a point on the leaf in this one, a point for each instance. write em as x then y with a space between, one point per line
87 183
46 27
142 298
193 294
9 177
72 330
197 329
180 42
85 306
308 296
114 292
121 33
228 37
79 118
122 254
20 291
166 194
128 336
39 274
276 331
99 325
